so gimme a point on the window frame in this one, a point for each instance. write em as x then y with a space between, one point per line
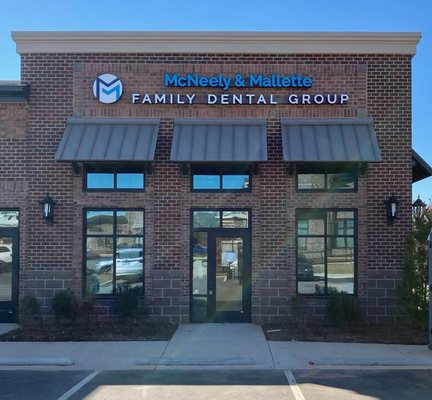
115 170
327 169
114 236
326 237
221 170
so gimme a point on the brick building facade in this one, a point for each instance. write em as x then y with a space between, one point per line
310 226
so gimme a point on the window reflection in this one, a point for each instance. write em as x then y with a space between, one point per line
325 252
340 265
199 261
100 181
334 178
235 219
206 219
220 178
343 181
130 180
99 264
9 219
114 254
311 181
100 222
229 274
114 178
6 254
311 226
231 182
129 261
206 182
130 222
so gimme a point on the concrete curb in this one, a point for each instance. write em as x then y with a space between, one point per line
372 361
47 361
196 361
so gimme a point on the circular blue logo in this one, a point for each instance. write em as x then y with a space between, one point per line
107 88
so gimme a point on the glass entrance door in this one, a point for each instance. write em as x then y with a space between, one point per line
229 277
8 274
221 277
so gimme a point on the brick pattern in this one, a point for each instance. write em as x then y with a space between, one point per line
379 87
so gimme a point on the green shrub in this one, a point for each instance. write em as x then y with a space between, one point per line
65 305
343 309
413 288
29 309
127 301
297 308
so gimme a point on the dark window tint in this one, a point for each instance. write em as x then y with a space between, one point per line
331 178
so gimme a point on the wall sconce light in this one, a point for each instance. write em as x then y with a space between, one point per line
392 208
47 209
418 207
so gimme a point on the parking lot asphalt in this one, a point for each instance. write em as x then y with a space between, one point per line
316 384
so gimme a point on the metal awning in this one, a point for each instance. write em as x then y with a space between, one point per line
329 140
108 140
219 140
420 168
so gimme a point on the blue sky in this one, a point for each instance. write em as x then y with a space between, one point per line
238 15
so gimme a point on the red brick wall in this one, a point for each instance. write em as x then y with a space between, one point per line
379 87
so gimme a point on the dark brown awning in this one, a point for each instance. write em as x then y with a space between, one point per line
108 139
420 168
219 140
329 140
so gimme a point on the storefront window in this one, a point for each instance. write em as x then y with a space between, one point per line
114 250
325 251
114 178
341 178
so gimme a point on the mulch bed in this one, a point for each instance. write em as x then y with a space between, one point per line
395 334
100 331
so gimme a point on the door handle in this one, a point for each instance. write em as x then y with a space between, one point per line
210 292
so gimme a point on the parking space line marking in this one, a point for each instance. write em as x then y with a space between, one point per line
79 385
293 385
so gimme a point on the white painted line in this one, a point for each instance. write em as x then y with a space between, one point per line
78 386
293 385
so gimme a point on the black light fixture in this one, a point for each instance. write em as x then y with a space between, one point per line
47 208
418 207
392 208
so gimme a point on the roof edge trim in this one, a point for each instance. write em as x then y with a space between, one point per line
217 42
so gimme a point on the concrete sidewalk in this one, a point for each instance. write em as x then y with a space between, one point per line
210 346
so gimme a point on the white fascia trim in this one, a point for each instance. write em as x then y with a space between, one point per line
218 42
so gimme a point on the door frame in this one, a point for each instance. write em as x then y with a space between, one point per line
11 307
213 232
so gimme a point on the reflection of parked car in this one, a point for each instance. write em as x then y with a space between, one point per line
5 253
129 262
5 258
305 270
